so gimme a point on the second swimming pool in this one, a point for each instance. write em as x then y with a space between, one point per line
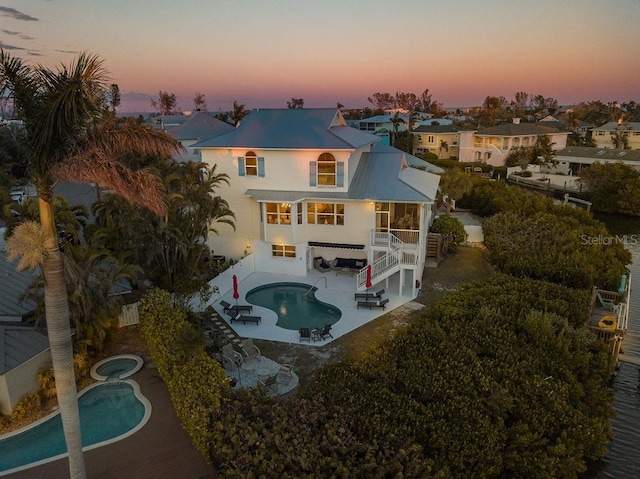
295 304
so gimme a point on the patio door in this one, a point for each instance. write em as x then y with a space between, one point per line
383 217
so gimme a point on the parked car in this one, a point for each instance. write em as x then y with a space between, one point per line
18 195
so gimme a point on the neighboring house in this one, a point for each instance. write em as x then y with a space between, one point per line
629 133
303 184
383 124
191 129
582 128
23 349
442 140
574 158
492 145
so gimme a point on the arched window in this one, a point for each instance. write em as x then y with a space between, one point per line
251 163
326 170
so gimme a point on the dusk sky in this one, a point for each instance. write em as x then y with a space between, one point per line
264 52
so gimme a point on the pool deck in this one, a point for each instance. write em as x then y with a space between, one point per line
339 291
161 449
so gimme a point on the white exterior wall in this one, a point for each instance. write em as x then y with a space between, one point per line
284 170
21 381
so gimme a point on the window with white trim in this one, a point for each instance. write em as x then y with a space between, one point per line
251 164
278 213
283 251
326 170
431 139
325 213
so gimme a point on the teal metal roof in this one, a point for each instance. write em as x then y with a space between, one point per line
200 126
300 129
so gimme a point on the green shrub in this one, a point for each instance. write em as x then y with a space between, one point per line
196 382
451 229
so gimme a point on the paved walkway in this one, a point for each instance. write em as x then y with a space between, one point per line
160 450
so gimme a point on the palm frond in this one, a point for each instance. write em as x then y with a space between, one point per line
28 243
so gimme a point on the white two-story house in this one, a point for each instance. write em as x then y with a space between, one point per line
303 184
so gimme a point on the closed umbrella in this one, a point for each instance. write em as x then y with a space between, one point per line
236 295
368 281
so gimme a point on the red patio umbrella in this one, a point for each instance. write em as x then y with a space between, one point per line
368 281
236 295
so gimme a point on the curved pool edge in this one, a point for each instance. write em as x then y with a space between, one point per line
145 418
295 284
139 363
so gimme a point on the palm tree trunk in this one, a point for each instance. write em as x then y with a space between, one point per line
59 331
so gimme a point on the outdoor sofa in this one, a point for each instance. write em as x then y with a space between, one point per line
373 304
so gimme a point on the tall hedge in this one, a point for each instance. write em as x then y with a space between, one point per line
196 382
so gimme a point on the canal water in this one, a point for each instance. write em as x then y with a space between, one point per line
622 459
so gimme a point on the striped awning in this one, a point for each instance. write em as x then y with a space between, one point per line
321 244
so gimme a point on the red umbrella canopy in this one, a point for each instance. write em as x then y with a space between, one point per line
368 282
236 295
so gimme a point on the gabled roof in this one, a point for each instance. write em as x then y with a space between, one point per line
299 129
613 126
384 174
200 126
13 284
519 129
609 154
19 344
439 129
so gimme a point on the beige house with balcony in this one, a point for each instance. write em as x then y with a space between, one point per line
446 141
629 133
492 145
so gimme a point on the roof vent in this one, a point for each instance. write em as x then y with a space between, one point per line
600 153
622 153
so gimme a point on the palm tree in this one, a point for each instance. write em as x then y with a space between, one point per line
69 137
396 119
238 113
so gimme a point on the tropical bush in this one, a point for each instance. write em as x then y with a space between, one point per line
196 382
557 248
451 229
486 385
613 187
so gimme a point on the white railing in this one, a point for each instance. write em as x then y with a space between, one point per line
389 261
128 315
396 238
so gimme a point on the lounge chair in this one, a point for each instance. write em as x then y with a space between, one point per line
249 349
367 295
324 332
231 356
245 318
373 304
240 308
225 306
305 334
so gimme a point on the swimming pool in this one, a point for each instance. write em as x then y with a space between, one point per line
109 411
116 367
295 304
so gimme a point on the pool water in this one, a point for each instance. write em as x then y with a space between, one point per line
107 411
116 367
295 304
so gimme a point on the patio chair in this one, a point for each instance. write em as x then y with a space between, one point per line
324 332
305 334
231 356
250 350
286 371
607 303
321 264
271 383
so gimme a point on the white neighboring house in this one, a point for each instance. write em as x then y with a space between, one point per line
492 145
303 184
574 158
